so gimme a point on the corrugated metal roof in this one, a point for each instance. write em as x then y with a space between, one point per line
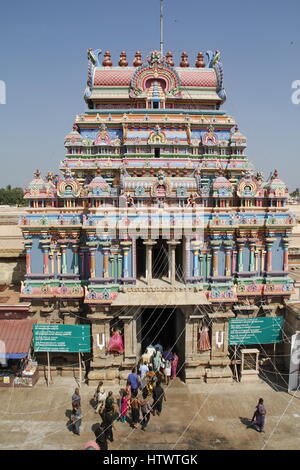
16 335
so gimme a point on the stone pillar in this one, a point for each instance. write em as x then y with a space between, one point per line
252 259
28 247
129 337
81 255
76 259
64 268
285 254
189 339
100 329
228 256
92 261
269 244
125 246
112 263
134 258
187 272
208 264
234 255
149 245
119 258
195 250
201 264
45 259
262 260
172 261
240 257
105 249
256 254
215 247
58 259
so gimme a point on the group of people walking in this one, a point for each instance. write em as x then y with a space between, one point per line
141 398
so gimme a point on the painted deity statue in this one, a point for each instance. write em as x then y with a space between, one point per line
116 344
203 340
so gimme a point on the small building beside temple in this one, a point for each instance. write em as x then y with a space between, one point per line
158 226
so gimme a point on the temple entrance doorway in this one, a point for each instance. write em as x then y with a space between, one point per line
160 259
165 326
140 259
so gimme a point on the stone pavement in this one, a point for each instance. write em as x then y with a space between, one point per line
204 416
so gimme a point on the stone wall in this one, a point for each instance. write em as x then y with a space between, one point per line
12 270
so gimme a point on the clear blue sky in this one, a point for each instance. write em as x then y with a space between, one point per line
43 62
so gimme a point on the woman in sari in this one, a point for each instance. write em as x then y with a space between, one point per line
203 339
157 361
150 380
174 365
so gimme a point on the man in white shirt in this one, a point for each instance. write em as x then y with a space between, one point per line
143 371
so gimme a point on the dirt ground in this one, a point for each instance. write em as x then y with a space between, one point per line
204 416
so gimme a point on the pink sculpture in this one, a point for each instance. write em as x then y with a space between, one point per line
116 344
203 341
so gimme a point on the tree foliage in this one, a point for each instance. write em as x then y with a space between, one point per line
12 196
295 193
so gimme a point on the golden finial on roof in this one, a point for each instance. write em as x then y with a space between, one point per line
137 61
169 59
200 60
107 59
123 59
184 60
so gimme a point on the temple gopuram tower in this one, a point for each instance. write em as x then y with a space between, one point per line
158 226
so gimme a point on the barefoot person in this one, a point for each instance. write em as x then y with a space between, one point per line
258 419
174 365
100 397
158 397
135 409
146 409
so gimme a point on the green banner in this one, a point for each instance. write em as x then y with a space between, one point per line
259 330
61 338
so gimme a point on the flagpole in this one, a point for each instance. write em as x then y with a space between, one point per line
161 28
